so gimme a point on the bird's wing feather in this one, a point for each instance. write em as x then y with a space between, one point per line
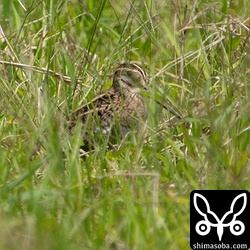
100 104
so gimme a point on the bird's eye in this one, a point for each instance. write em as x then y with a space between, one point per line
133 75
129 73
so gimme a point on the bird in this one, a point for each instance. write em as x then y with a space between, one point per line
119 109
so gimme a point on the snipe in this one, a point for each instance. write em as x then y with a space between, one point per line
120 108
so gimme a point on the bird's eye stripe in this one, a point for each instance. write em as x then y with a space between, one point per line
132 67
143 73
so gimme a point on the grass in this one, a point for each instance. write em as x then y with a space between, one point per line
137 196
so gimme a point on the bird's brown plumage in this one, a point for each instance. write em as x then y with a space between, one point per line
118 109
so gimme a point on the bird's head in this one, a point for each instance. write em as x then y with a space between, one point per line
131 77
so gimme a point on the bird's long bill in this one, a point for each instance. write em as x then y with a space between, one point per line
171 110
164 105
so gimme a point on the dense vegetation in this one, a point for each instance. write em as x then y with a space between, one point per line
56 55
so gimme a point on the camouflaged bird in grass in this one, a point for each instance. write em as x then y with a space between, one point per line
119 109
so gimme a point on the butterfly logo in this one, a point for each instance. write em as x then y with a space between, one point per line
203 227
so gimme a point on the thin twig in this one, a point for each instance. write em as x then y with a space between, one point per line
62 77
